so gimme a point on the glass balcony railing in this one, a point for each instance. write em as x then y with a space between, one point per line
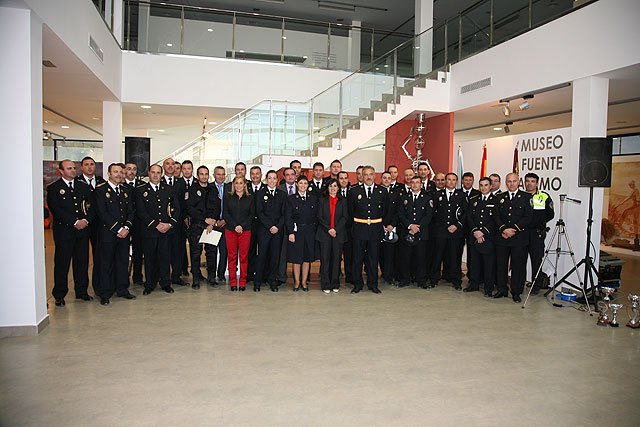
191 30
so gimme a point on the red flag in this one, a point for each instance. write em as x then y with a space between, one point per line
516 168
483 165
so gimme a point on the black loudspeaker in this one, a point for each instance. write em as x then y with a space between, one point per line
594 169
138 150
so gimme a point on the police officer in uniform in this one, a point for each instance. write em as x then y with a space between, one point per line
450 205
177 237
542 213
482 231
388 249
414 214
131 181
256 184
514 216
368 206
115 212
159 213
347 247
71 204
203 205
270 209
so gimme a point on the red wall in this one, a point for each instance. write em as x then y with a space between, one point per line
438 147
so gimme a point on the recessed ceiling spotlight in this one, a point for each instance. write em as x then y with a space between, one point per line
46 121
64 127
160 130
95 118
305 57
210 30
213 123
145 107
497 128
169 44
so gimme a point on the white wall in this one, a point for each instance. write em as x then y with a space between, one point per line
201 81
598 38
74 21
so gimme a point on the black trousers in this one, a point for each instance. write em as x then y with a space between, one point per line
113 259
282 262
446 252
347 253
518 257
330 254
177 248
195 252
219 254
253 253
95 271
268 261
411 256
536 253
156 261
388 261
365 252
136 253
76 249
481 267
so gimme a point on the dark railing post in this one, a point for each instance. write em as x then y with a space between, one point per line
233 37
460 38
329 46
491 24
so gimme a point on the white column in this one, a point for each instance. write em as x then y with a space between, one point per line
355 41
112 145
588 118
23 309
424 44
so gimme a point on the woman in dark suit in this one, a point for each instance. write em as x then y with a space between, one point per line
331 233
238 212
301 220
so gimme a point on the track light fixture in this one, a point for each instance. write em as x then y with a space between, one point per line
506 110
506 127
523 106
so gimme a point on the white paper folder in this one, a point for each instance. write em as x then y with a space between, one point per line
211 238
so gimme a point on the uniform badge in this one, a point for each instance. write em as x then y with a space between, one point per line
440 198
186 195
62 191
126 195
359 196
266 198
501 201
199 193
406 202
475 204
108 195
431 203
145 194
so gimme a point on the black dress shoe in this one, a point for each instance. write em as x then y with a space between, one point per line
488 294
104 301
60 302
256 288
242 289
457 287
147 291
84 297
234 289
498 295
305 288
181 282
195 285
535 290
168 289
516 298
128 295
355 290
376 291
470 289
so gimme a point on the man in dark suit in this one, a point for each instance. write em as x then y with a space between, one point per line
393 172
424 172
289 188
514 215
495 184
415 210
176 239
115 214
335 168
270 209
318 184
220 253
88 176
71 203
158 210
184 184
131 181
254 186
480 235
347 247
368 206
469 191
450 206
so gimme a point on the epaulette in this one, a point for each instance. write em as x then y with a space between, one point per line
475 196
101 184
142 184
80 181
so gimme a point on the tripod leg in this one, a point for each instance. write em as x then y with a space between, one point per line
582 284
546 255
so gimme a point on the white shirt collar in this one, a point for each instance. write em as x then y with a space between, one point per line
368 187
303 194
86 178
271 189
415 194
112 185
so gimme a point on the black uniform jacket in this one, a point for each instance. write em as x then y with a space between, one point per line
449 212
301 212
68 207
364 208
154 207
270 210
516 214
340 220
480 217
113 211
419 212
202 203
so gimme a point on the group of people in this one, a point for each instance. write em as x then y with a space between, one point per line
413 232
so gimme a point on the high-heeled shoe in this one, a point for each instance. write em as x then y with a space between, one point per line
296 287
305 288
234 289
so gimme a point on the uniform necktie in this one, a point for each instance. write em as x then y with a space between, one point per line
171 181
255 188
449 195
290 189
484 198
414 198
271 191
344 193
511 196
368 192
156 187
303 198
91 183
71 185
118 190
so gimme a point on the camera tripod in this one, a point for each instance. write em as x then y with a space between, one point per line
559 235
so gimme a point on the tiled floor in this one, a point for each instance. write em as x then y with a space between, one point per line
407 357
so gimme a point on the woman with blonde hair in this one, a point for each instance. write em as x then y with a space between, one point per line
238 211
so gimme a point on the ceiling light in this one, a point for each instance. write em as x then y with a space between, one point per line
160 130
284 37
145 107
46 121
95 118
169 44
506 110
64 127
213 123
524 106
210 30
497 128
305 57
272 1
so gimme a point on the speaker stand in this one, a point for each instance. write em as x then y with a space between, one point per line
590 271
